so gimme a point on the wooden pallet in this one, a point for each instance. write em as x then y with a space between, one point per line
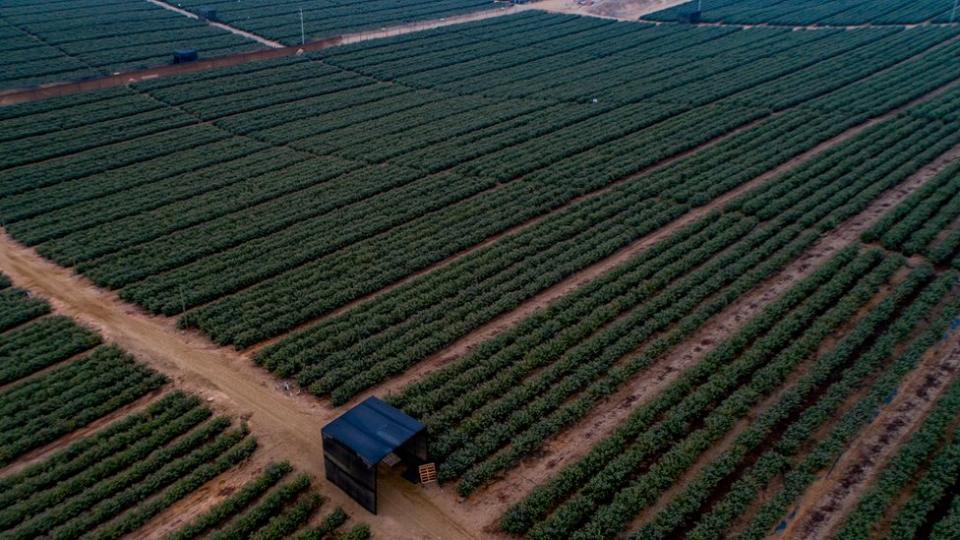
428 473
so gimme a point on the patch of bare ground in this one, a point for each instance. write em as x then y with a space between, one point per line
574 443
42 453
831 497
286 425
629 10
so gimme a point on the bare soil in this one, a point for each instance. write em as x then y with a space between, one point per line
630 10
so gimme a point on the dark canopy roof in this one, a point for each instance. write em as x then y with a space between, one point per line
373 429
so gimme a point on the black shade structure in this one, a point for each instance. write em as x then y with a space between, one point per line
356 442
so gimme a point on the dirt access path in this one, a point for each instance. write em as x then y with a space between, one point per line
287 426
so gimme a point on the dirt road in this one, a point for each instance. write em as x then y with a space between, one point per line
287 426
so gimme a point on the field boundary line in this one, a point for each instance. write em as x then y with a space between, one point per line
233 30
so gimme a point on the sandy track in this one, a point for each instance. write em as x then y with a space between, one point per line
629 10
287 426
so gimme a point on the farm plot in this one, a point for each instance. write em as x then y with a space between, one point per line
375 207
280 19
925 223
103 457
73 39
792 432
916 492
499 403
389 334
334 175
811 12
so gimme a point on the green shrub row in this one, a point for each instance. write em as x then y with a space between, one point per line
330 523
235 503
542 499
796 415
116 380
258 516
930 457
41 344
88 451
18 306
826 450
652 462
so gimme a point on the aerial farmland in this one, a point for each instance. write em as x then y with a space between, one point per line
476 269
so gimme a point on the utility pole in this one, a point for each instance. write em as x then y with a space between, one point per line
700 6
303 39
954 12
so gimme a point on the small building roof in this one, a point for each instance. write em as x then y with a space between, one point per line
373 429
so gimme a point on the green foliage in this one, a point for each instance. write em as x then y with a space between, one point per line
17 306
290 519
330 523
104 381
827 449
359 532
42 344
931 456
258 516
78 39
220 513
798 413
